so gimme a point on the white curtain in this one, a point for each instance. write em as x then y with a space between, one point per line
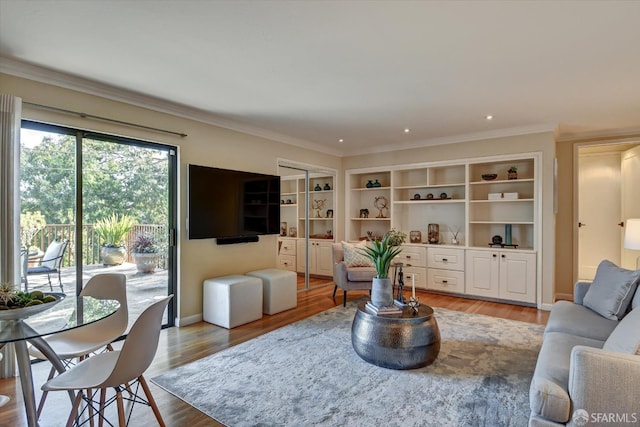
10 116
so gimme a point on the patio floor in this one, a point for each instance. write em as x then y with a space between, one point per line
142 288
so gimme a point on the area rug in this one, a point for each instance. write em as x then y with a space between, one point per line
307 374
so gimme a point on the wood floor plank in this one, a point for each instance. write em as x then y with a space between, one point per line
179 346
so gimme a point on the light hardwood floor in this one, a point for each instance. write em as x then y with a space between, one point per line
179 346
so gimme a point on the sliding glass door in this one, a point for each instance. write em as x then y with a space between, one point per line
113 198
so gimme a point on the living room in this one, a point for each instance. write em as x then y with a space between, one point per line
218 141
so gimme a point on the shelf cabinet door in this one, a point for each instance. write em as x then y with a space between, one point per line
518 276
482 273
323 258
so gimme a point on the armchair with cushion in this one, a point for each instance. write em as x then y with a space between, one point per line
351 269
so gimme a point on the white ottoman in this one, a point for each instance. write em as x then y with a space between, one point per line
279 287
231 301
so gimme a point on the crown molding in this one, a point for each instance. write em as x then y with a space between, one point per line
455 139
56 78
600 135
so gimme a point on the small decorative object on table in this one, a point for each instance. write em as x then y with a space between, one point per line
399 301
327 186
415 237
512 173
414 304
433 234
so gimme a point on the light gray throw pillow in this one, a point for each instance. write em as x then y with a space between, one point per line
612 290
625 338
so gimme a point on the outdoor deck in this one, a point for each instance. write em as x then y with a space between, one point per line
142 288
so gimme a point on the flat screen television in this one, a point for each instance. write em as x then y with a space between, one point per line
232 205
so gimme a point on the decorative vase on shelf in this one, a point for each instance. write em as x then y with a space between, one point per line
433 233
377 184
327 186
317 187
512 173
369 184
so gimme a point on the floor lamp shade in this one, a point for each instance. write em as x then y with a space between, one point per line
632 234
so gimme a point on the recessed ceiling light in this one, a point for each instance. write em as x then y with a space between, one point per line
341 140
488 117
407 130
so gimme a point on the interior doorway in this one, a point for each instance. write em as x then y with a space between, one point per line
607 176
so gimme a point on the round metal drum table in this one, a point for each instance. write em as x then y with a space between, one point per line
408 341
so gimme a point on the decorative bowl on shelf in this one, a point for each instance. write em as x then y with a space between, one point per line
24 312
489 176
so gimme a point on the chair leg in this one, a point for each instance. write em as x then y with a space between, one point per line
121 420
50 285
60 281
74 410
43 398
103 393
334 291
151 400
344 302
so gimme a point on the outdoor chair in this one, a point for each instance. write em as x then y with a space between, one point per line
118 369
49 264
95 337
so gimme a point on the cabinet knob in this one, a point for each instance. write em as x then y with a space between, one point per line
445 260
495 256
444 282
503 256
408 256
408 265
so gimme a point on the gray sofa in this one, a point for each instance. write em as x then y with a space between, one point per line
588 368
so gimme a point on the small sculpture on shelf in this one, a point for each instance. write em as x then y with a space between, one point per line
318 205
512 173
381 203
327 187
454 238
364 213
415 237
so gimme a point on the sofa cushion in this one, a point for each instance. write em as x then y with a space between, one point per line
635 303
353 255
625 338
612 290
548 394
361 274
576 319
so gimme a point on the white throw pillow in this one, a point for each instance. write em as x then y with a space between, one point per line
625 338
353 256
611 291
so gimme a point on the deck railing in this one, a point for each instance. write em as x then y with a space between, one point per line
91 242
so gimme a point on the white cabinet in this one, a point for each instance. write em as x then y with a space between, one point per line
474 202
414 265
320 257
446 269
500 274
287 249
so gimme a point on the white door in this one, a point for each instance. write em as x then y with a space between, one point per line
324 259
599 200
630 201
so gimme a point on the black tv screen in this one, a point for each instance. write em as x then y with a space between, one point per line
224 203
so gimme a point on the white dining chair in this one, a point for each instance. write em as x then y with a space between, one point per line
118 369
83 341
3 399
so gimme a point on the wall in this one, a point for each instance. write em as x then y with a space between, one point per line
541 142
205 145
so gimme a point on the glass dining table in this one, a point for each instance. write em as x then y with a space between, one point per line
31 324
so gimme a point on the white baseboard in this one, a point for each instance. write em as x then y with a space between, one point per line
564 297
188 320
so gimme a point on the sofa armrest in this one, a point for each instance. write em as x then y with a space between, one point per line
579 291
603 381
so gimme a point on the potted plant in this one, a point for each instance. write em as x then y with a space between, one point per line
381 253
113 232
145 253
512 173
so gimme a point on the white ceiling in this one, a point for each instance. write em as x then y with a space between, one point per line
312 72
